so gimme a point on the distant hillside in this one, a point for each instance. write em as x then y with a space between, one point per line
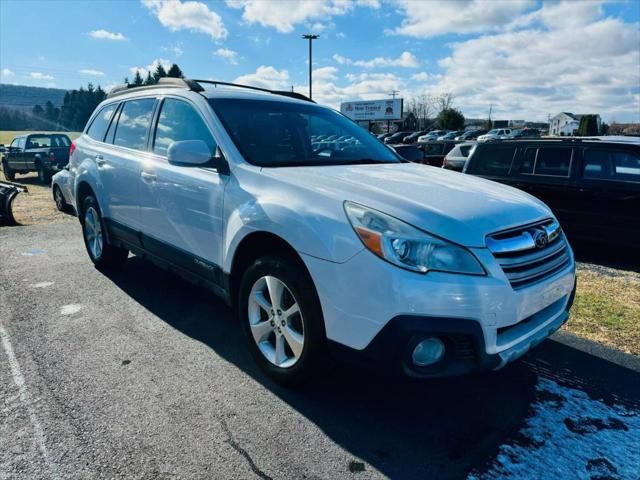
22 97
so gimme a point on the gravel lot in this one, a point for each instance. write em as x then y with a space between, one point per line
141 375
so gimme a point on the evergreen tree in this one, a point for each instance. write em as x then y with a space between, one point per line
137 79
450 119
175 72
588 126
159 73
149 80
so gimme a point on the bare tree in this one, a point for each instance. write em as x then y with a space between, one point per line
445 101
422 106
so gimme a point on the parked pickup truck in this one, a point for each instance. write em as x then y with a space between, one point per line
45 153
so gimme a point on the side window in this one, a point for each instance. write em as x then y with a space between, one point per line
179 121
133 123
554 162
465 150
14 143
493 160
626 166
597 164
528 161
101 122
21 142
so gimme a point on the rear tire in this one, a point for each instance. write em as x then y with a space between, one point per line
103 255
289 347
44 177
9 174
61 205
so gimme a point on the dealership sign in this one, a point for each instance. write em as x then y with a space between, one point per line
373 109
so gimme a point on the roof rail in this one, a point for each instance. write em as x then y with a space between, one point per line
162 83
194 85
284 93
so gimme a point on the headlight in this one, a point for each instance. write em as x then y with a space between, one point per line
406 246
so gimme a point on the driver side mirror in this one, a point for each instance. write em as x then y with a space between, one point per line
196 153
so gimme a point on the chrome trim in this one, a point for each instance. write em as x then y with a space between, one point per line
524 241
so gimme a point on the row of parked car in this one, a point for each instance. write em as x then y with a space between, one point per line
407 137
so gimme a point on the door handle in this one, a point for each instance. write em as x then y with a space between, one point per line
148 177
100 160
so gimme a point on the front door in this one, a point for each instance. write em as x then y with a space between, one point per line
181 206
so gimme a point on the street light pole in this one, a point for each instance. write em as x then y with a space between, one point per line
311 38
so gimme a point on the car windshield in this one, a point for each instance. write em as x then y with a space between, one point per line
276 134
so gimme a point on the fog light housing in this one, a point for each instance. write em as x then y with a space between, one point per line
427 352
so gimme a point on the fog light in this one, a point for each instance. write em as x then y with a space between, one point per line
428 352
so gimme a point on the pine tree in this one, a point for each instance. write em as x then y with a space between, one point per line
159 73
137 79
175 72
149 80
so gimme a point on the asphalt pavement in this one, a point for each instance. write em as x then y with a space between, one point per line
138 374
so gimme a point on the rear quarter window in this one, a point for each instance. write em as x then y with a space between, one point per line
98 127
611 165
492 160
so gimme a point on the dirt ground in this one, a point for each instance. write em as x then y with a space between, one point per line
36 206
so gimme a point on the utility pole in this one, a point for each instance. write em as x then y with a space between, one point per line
311 38
393 94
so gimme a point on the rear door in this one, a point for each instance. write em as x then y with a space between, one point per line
609 194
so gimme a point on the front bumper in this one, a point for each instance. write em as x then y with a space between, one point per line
376 312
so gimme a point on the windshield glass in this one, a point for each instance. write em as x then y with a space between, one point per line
276 134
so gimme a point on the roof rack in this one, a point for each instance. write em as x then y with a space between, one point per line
194 86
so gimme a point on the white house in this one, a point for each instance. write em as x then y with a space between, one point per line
566 124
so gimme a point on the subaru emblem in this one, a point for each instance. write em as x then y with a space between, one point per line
540 238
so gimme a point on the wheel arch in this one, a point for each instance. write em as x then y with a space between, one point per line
256 245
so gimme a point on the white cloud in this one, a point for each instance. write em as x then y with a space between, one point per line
422 76
283 15
406 60
192 16
40 76
530 73
7 74
439 17
106 35
175 49
91 72
166 64
230 56
266 77
325 74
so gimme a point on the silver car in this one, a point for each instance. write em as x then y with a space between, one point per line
457 157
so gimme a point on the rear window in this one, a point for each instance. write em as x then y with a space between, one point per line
494 160
433 148
133 123
47 141
611 165
99 125
554 162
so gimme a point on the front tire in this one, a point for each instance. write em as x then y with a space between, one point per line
103 255
282 319
9 174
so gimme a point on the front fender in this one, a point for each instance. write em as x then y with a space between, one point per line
322 234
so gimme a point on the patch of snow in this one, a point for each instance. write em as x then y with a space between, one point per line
70 309
570 435
41 285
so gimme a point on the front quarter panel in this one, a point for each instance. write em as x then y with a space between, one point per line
312 223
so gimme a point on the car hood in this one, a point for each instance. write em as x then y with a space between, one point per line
455 206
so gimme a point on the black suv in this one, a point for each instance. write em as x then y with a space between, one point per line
593 187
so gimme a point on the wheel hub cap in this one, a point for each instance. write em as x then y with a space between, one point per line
93 232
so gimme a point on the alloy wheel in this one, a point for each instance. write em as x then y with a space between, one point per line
276 322
93 232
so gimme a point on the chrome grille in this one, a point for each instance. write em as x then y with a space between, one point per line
530 253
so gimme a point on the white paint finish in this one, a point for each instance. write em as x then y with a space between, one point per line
70 309
569 435
25 399
41 285
205 215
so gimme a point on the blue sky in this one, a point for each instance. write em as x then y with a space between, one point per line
527 58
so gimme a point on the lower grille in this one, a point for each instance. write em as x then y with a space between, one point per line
531 253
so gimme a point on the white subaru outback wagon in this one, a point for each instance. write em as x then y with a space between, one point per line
322 237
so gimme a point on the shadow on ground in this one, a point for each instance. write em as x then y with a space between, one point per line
439 429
